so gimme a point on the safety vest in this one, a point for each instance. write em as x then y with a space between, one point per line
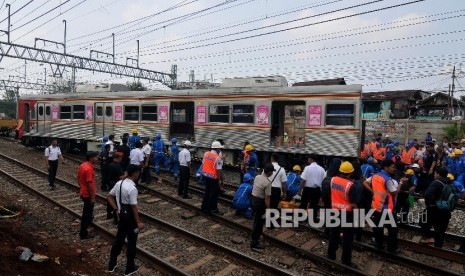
340 188
407 155
382 198
365 153
209 165
378 153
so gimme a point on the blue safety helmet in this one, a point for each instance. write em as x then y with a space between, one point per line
105 139
174 140
248 177
157 137
370 160
396 143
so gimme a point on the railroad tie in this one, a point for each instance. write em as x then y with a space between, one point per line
146 233
286 234
198 263
457 267
374 267
310 244
227 270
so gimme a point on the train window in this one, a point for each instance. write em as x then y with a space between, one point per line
78 112
41 111
108 111
99 111
65 112
131 113
179 115
340 114
149 113
47 111
243 113
219 113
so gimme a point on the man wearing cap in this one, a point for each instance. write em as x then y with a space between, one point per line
134 138
86 180
252 161
159 156
184 170
408 154
344 200
402 203
429 137
114 174
261 193
211 175
146 150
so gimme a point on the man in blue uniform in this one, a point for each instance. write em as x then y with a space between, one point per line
159 157
174 158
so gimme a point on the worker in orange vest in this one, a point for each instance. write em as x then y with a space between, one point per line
211 175
384 191
408 155
343 199
379 153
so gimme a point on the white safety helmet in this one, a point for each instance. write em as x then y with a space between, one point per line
216 145
187 143
416 166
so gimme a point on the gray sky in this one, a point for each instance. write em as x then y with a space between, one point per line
407 47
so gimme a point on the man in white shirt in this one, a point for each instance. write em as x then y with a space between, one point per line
125 193
111 142
184 170
136 157
52 154
310 187
146 150
278 182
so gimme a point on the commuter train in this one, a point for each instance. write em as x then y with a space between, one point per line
264 111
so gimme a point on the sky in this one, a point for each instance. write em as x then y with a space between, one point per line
381 44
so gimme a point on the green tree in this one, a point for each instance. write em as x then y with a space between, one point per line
136 86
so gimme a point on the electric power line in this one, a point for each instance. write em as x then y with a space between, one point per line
45 13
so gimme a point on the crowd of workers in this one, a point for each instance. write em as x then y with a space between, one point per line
386 177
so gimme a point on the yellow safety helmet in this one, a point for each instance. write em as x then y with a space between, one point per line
458 152
450 176
296 168
346 167
135 130
452 154
248 148
409 172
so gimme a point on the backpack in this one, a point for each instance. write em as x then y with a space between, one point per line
449 198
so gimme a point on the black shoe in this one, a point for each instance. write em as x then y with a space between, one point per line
52 188
131 271
88 236
257 247
110 216
112 268
187 197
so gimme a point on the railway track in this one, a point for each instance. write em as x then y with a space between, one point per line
413 254
200 256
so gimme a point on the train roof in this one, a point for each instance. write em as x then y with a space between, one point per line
252 91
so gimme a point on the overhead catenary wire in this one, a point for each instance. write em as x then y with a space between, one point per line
18 10
40 16
298 41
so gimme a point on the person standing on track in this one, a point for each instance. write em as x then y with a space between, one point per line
310 188
123 199
252 161
185 170
174 158
114 174
137 157
52 154
260 198
134 138
159 156
211 174
147 150
86 180
126 150
278 183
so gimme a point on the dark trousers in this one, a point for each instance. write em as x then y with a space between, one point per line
52 172
183 188
126 229
210 197
145 175
87 214
312 196
379 233
439 220
347 241
275 197
259 208
103 176
402 206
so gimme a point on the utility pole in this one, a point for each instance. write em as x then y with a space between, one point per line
9 24
113 35
64 39
452 90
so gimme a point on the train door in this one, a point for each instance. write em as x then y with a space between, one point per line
26 118
103 123
182 120
287 123
40 126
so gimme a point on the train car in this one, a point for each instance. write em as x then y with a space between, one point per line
266 112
